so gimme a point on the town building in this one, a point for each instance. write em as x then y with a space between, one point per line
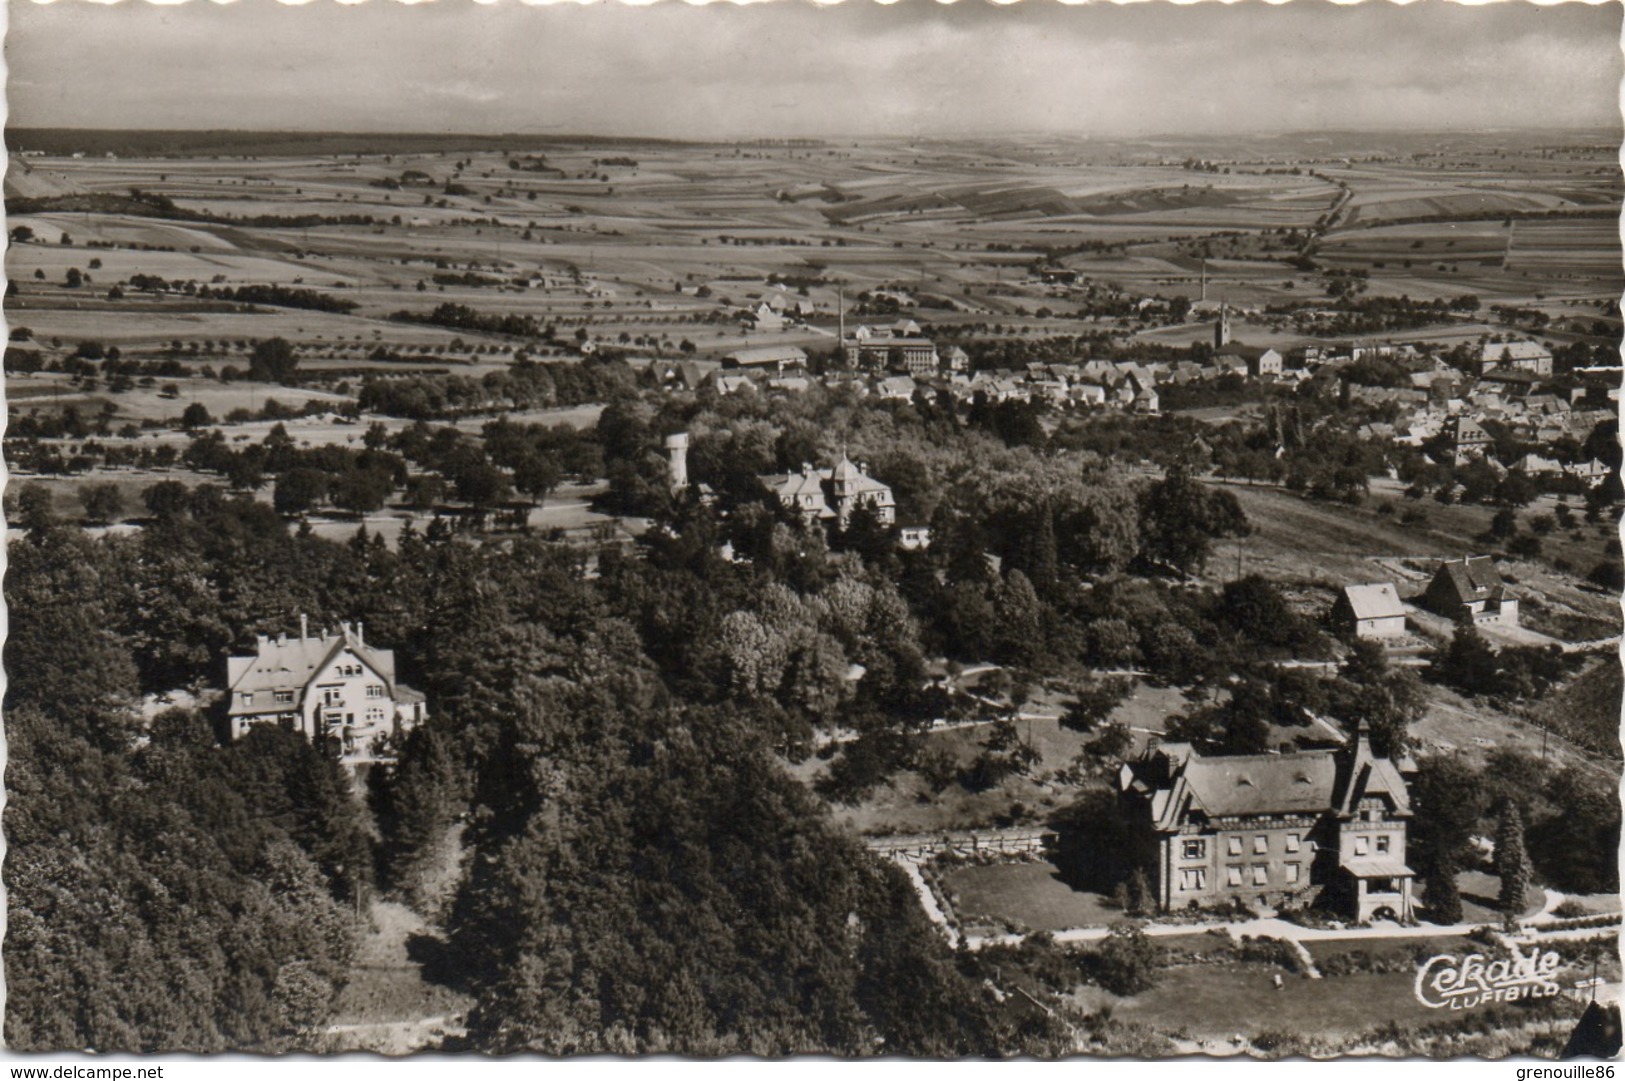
1471 588
1310 828
776 357
833 494
1467 439
1258 361
1373 610
913 536
1523 356
329 688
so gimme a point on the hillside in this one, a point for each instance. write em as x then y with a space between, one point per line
1587 711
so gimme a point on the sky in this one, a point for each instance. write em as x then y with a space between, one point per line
790 68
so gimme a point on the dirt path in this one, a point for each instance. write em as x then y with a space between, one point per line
388 1006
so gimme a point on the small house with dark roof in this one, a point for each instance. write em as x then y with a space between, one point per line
333 688
1471 588
1373 610
1272 831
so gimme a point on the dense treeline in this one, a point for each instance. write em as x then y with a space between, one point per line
643 874
526 384
462 317
163 893
596 812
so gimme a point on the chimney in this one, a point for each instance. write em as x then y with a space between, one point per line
358 628
281 639
304 626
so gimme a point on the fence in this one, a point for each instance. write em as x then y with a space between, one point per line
963 843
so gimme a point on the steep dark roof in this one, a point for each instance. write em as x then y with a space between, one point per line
1177 781
1474 577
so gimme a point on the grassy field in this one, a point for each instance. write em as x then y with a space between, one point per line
1217 1001
1298 540
1023 895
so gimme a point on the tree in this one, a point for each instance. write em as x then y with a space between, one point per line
103 503
1180 517
167 500
36 507
1440 894
273 361
537 475
195 416
1468 663
1140 898
360 491
74 278
1447 797
299 490
1095 701
1126 962
1511 862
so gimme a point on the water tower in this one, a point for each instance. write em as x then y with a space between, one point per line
677 453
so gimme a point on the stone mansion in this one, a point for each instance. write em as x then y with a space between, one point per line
1272 831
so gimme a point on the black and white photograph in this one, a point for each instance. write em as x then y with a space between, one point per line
905 530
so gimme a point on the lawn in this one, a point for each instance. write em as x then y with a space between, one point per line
1478 898
1029 894
1220 1000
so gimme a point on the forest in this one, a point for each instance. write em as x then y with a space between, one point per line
605 757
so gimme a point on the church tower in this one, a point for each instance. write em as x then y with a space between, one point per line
1221 328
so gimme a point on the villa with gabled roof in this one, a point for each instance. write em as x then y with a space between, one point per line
325 687
1272 830
833 494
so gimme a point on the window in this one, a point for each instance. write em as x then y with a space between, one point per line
1193 878
1261 874
1362 846
375 716
1261 844
1382 843
1232 875
1292 871
1194 849
1293 840
1234 845
248 698
284 697
375 690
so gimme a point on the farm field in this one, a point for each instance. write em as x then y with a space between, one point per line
653 249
